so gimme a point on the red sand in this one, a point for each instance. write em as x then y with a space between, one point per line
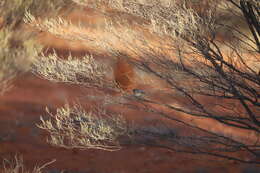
21 108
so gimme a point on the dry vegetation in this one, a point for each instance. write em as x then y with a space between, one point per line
73 127
221 69
85 72
13 42
11 47
17 166
193 49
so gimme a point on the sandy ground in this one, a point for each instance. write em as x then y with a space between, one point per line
21 108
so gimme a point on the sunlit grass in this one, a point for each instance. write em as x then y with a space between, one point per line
73 127
17 51
16 165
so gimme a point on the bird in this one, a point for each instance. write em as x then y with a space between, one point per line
138 92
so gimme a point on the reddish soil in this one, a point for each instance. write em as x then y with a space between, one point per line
21 108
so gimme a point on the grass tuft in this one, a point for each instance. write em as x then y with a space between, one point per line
73 127
17 166
17 51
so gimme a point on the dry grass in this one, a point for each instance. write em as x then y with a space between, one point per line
73 127
14 44
17 166
85 71
13 11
